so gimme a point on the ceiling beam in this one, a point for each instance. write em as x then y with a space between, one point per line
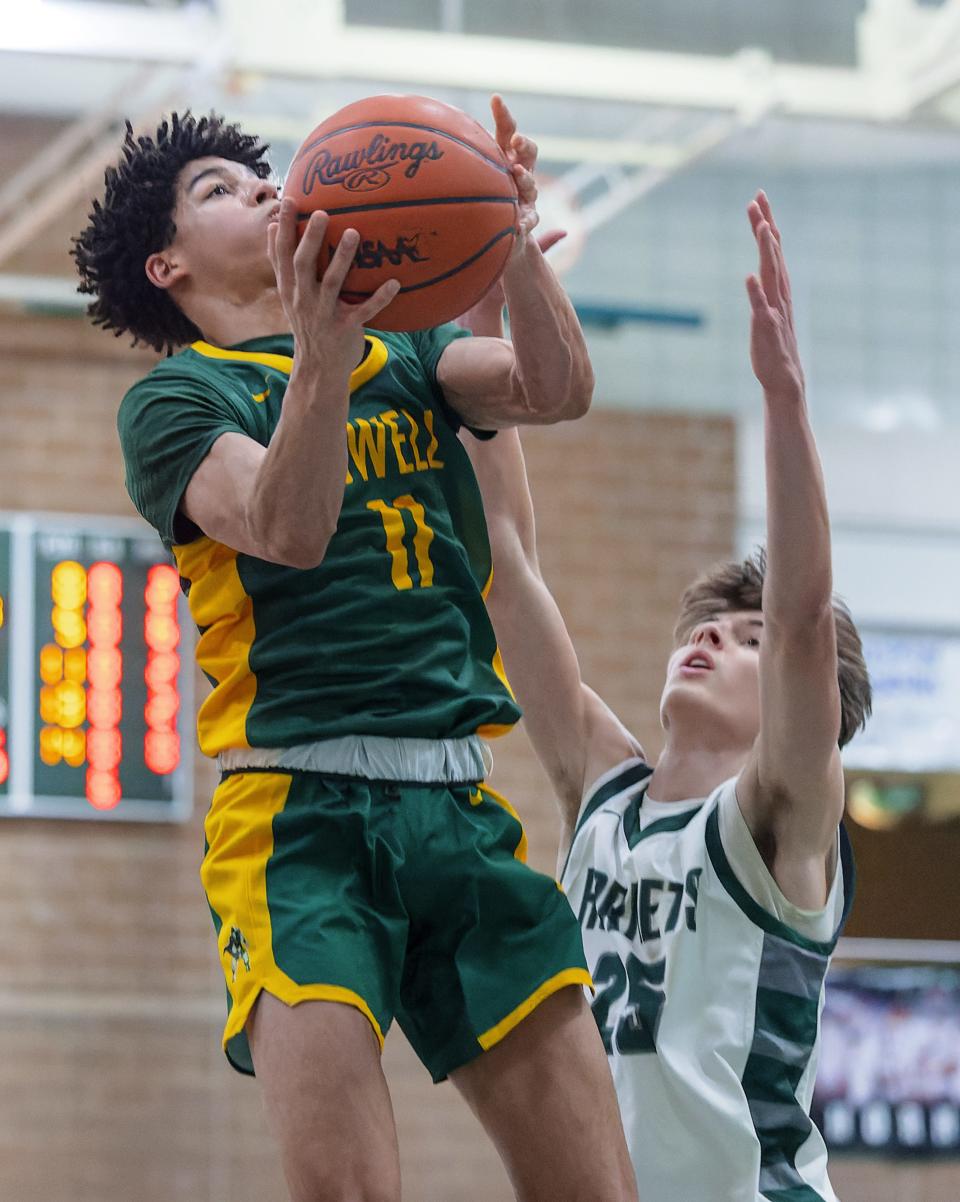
913 49
71 167
308 39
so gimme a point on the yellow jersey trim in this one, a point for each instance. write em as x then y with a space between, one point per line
218 601
282 363
373 364
495 730
374 361
569 976
223 611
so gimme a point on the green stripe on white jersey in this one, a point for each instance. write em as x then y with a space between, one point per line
708 1004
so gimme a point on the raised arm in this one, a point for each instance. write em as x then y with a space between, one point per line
545 375
574 734
282 502
791 790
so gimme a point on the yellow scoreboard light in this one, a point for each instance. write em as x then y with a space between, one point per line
94 696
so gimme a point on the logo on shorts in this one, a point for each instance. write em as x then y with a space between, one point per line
237 950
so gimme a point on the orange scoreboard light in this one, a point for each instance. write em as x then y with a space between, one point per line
95 699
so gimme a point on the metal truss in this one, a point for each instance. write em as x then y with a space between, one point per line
911 45
908 70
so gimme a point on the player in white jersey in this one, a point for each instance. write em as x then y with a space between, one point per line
710 887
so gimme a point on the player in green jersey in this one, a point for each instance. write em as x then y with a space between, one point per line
711 885
328 528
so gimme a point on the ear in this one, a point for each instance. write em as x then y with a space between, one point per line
164 269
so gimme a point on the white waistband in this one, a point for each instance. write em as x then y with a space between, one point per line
373 757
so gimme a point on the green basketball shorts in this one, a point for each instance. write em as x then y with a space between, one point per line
406 900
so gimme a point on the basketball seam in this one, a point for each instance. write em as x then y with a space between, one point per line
444 275
403 125
413 204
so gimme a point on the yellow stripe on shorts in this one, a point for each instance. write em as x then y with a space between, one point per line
239 833
483 790
569 976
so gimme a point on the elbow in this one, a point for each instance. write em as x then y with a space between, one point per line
302 553
293 540
581 394
582 381
579 391
569 401
294 549
301 558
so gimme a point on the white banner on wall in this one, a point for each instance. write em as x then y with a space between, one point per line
915 726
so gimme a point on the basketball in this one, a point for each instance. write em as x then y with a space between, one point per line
430 193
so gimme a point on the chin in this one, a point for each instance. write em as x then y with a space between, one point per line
691 706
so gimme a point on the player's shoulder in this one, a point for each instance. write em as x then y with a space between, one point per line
185 375
621 790
397 342
185 368
613 790
422 346
622 779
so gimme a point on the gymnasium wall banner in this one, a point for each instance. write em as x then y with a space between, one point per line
915 725
888 1081
95 681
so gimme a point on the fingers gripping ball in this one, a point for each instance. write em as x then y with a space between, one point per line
430 193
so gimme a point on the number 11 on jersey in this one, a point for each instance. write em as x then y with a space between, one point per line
395 530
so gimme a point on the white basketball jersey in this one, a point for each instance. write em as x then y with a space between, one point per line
708 1001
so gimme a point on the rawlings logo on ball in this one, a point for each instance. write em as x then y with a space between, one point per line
367 168
367 179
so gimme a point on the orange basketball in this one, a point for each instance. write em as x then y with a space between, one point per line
428 190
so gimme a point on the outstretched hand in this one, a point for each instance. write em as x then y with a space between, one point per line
521 155
773 339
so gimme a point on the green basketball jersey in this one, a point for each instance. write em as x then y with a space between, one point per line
389 635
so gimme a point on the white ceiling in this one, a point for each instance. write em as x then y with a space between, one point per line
619 105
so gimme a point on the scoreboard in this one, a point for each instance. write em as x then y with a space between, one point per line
95 685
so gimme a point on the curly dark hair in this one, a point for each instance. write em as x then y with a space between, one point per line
135 220
739 585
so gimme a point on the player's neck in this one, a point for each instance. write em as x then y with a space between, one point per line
225 322
693 771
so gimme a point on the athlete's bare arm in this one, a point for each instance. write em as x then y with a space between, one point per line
575 735
791 789
281 502
545 375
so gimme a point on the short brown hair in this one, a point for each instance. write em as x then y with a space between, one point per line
733 586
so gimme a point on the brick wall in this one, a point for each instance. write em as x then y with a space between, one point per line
112 1086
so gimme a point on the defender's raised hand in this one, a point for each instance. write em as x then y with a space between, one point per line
521 154
773 339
